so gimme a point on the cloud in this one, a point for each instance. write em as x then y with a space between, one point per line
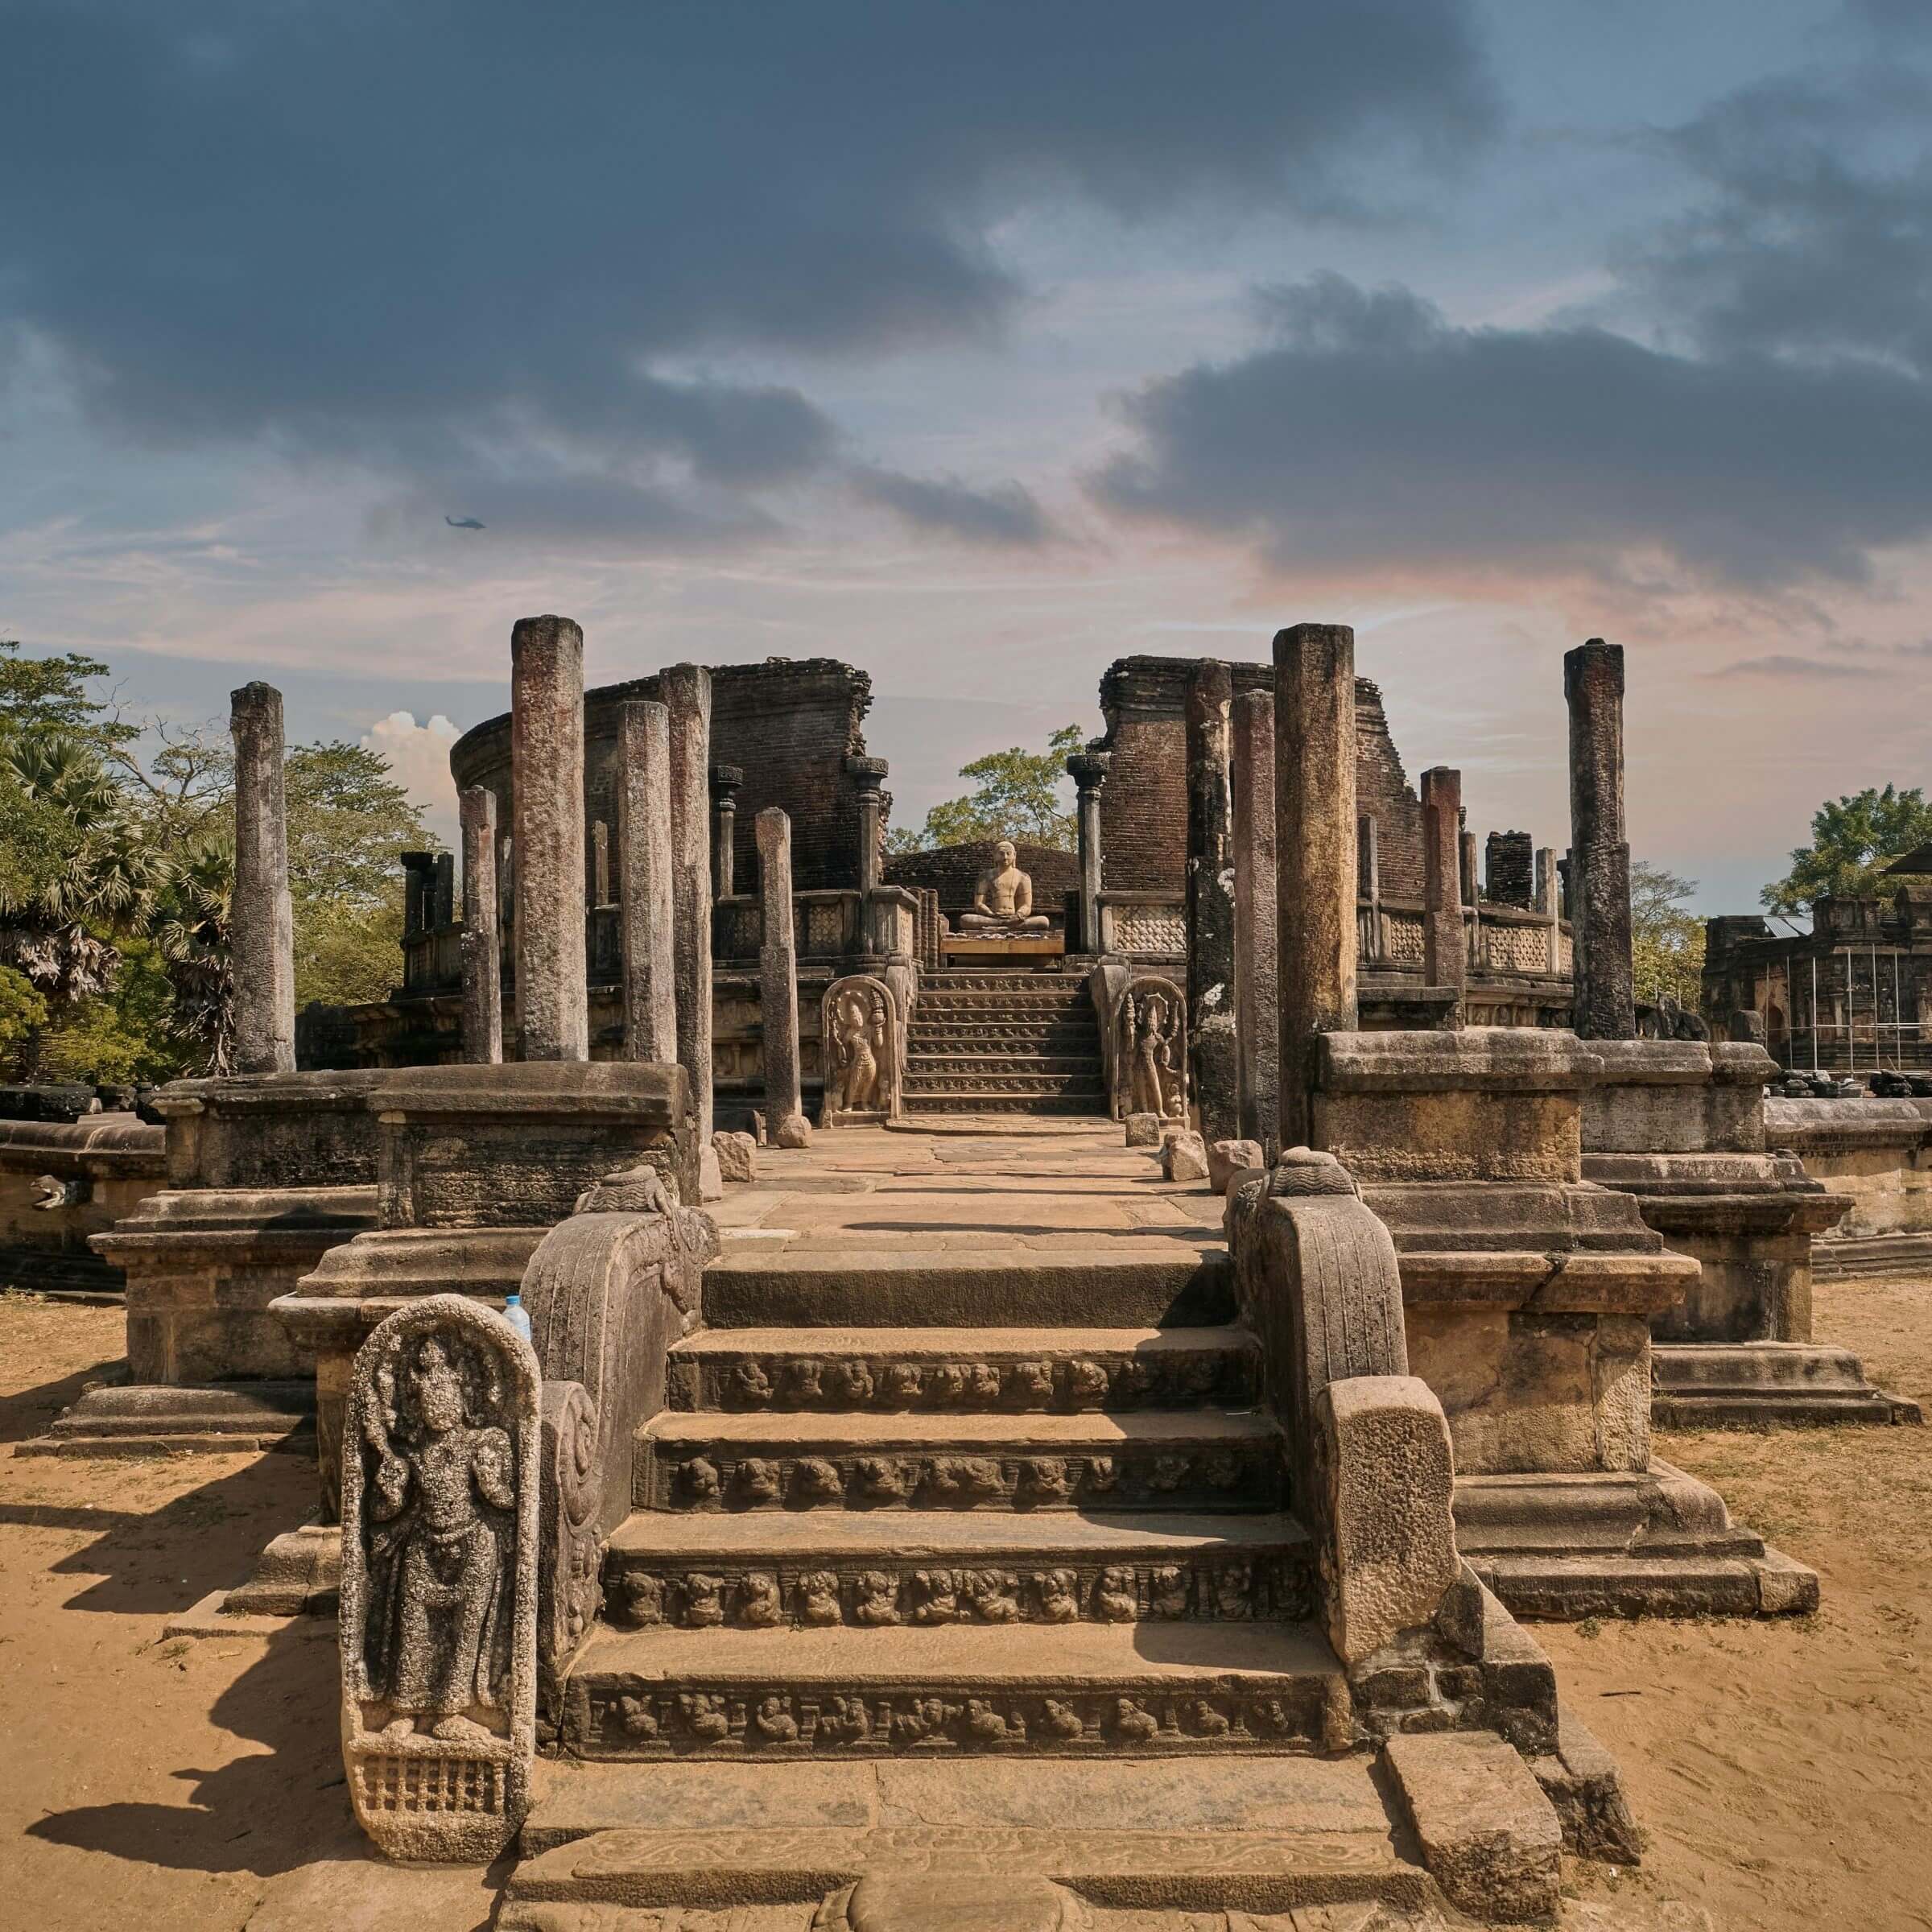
453 241
1372 432
1004 514
1783 664
418 761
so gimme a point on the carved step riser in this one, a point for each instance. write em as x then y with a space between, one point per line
616 1716
815 1384
644 1592
1042 985
1000 1005
1009 1086
1004 1064
1246 1477
1078 1107
1053 1043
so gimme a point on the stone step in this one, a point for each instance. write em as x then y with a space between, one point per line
994 1005
1093 1107
1006 1083
712 1460
1072 1689
1255 1834
1156 1284
964 1369
954 980
1741 1385
1000 1036
935 1068
170 1419
876 1571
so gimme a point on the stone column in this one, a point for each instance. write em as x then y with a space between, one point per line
417 891
1445 955
1258 1010
1088 770
687 689
869 776
482 949
1550 902
599 864
262 925
646 918
725 783
1212 1048
1369 882
778 984
547 777
1314 852
1599 854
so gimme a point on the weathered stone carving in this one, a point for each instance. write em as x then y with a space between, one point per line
1150 1057
569 1545
1002 899
859 1035
439 1537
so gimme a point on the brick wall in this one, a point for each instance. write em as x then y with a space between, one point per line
1143 806
1509 869
788 723
952 871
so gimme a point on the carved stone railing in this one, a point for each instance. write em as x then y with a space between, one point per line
1500 941
1143 925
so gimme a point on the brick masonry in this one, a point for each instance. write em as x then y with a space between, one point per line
952 871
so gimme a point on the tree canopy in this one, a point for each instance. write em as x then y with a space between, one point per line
1666 939
1016 795
1853 840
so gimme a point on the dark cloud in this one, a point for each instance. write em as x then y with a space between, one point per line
439 236
1371 431
1005 514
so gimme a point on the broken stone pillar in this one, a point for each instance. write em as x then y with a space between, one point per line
546 775
1088 770
869 776
1213 1054
726 781
687 689
482 953
1599 854
1369 884
1466 872
1258 1013
599 864
778 984
1445 957
1550 903
418 888
1315 853
647 920
261 920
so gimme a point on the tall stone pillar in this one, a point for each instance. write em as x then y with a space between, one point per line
1599 854
547 776
1257 1003
1550 903
726 781
646 917
1445 954
1088 770
261 922
778 984
869 776
482 949
1315 853
1368 879
687 689
1212 1047
418 891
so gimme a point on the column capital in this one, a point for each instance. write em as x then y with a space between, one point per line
868 772
1088 769
726 781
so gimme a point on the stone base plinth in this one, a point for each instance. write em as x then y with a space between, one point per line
1745 1385
1026 948
1857 1256
159 1419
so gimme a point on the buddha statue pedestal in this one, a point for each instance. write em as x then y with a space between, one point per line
1002 924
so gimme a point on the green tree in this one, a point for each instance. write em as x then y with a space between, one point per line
1853 840
22 1013
40 697
1016 795
1666 939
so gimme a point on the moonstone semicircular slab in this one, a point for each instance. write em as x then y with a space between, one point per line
959 1901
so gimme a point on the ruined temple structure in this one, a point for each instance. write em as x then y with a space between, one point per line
960 1516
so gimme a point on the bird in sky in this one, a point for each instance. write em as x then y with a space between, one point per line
462 522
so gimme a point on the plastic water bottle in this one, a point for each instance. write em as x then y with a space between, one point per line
517 1316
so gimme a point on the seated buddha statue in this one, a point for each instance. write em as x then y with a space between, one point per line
1002 901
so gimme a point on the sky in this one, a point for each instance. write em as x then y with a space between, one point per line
978 343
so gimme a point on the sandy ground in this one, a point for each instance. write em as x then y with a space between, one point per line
1784 1771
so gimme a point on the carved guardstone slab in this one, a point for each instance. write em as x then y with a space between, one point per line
858 1037
439 1533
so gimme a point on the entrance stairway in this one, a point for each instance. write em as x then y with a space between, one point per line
1003 1043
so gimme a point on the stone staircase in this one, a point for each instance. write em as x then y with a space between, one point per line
1003 1043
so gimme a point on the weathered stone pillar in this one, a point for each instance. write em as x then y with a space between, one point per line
1599 854
547 776
1445 956
687 689
1257 1009
1212 1049
778 984
869 777
417 891
1368 879
482 949
1550 902
1088 770
1466 863
1314 852
647 920
261 923
599 864
726 781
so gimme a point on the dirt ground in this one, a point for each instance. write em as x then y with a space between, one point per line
1784 1771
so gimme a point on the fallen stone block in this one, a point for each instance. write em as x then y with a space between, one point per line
1227 1158
1183 1155
1144 1130
738 1156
